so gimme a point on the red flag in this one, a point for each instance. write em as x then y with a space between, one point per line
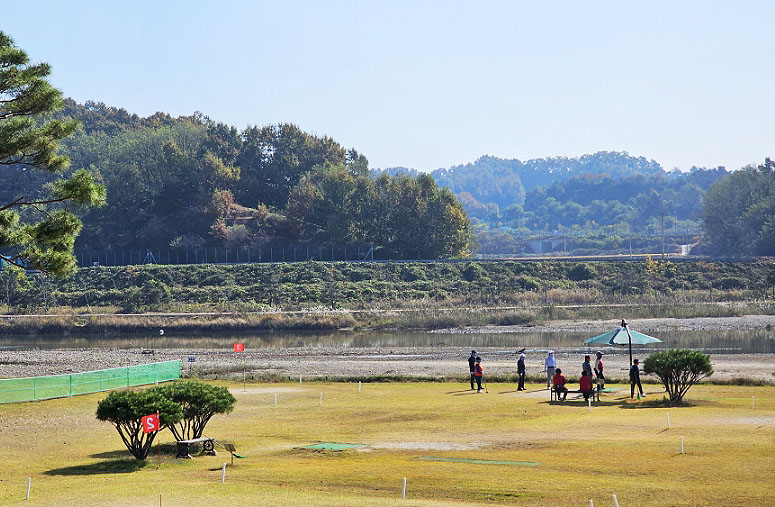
150 423
239 347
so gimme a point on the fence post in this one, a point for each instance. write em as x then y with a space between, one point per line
34 388
71 385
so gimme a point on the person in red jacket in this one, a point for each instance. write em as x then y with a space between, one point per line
559 385
585 384
478 372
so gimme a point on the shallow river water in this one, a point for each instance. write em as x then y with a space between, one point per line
726 341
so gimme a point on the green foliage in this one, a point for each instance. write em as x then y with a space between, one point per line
13 283
124 409
299 285
38 227
583 271
473 271
678 370
739 212
199 402
405 217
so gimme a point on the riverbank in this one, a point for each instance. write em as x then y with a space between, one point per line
389 362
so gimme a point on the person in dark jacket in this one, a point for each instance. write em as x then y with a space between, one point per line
521 370
635 379
478 373
472 367
587 367
585 384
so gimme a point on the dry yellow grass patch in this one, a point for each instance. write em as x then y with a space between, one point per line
622 448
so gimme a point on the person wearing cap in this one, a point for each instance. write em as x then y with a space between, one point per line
635 379
599 371
472 367
550 363
479 373
521 370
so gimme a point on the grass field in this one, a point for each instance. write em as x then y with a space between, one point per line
622 447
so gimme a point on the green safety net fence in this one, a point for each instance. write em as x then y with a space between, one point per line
59 386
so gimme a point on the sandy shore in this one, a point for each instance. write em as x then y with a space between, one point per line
332 361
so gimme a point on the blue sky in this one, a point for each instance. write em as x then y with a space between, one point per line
429 84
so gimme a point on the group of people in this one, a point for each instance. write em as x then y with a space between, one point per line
554 377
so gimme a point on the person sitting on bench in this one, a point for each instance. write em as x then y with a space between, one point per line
559 385
585 384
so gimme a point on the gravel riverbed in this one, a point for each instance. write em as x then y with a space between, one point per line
339 361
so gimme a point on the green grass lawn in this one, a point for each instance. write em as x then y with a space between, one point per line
622 448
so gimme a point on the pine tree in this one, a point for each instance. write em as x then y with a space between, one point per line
37 230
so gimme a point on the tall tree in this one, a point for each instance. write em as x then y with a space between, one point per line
36 227
739 212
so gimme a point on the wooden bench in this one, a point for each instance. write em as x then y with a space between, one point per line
208 447
553 394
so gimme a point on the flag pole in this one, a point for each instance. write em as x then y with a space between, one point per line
158 448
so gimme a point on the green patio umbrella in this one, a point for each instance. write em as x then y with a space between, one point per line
622 336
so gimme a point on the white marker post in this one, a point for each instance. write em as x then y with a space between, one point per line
29 484
589 404
275 399
223 474
320 402
299 379
668 419
682 445
591 503
359 386
616 502
403 490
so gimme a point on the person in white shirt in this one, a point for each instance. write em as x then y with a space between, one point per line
550 364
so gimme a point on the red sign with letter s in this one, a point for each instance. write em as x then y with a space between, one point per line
150 423
239 347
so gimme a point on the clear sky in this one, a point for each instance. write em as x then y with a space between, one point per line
429 84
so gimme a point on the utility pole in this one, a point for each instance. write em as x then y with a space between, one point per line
663 235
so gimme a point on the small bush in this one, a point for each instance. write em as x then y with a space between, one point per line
678 370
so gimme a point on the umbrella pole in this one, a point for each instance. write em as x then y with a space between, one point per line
629 339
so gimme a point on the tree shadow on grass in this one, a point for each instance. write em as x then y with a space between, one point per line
114 466
124 453
120 453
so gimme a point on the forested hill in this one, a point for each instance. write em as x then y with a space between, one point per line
505 181
193 182
595 194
